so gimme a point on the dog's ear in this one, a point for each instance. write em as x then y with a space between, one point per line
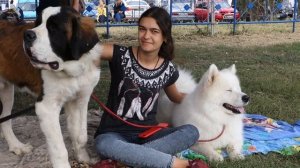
83 37
232 68
75 38
212 73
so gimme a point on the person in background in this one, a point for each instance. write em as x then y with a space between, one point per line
101 12
13 7
138 74
13 12
119 10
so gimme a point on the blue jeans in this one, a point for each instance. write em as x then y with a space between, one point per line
119 17
156 151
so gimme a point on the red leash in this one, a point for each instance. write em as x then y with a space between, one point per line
161 125
152 128
208 140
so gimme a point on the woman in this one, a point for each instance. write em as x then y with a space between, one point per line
137 76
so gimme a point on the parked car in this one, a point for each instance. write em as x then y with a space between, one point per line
181 12
28 8
284 10
135 8
223 12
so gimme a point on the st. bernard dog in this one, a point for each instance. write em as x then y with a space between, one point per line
61 66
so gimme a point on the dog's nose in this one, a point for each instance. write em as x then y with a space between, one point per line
29 37
245 98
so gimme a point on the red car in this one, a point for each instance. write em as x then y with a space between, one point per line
223 12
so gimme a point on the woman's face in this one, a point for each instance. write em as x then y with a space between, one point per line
149 35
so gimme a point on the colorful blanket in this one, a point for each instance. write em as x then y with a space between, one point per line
264 135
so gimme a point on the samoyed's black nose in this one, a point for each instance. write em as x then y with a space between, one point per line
29 37
245 98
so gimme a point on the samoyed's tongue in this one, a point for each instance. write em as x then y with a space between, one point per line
241 109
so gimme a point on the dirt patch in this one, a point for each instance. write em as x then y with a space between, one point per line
39 157
244 40
246 35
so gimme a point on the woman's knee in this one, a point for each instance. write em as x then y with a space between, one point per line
103 142
191 132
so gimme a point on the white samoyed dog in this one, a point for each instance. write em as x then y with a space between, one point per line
215 106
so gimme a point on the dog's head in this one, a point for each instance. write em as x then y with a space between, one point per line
223 88
61 35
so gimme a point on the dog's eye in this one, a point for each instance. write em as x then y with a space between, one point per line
52 24
51 27
229 90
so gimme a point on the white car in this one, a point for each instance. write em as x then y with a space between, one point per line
181 12
135 8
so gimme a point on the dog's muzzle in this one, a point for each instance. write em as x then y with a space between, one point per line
29 38
237 110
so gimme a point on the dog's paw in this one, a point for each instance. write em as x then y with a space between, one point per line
21 149
234 152
216 158
83 156
236 156
94 160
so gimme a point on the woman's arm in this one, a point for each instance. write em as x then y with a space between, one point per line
173 94
107 53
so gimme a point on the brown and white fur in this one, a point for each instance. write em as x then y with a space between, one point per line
61 67
216 101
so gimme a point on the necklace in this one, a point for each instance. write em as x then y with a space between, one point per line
137 57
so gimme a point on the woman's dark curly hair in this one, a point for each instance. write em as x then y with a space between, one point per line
163 20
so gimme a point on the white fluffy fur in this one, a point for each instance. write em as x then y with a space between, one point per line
72 93
203 107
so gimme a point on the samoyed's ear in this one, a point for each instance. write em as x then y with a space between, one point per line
212 73
232 68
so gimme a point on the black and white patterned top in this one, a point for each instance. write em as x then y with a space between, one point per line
134 91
